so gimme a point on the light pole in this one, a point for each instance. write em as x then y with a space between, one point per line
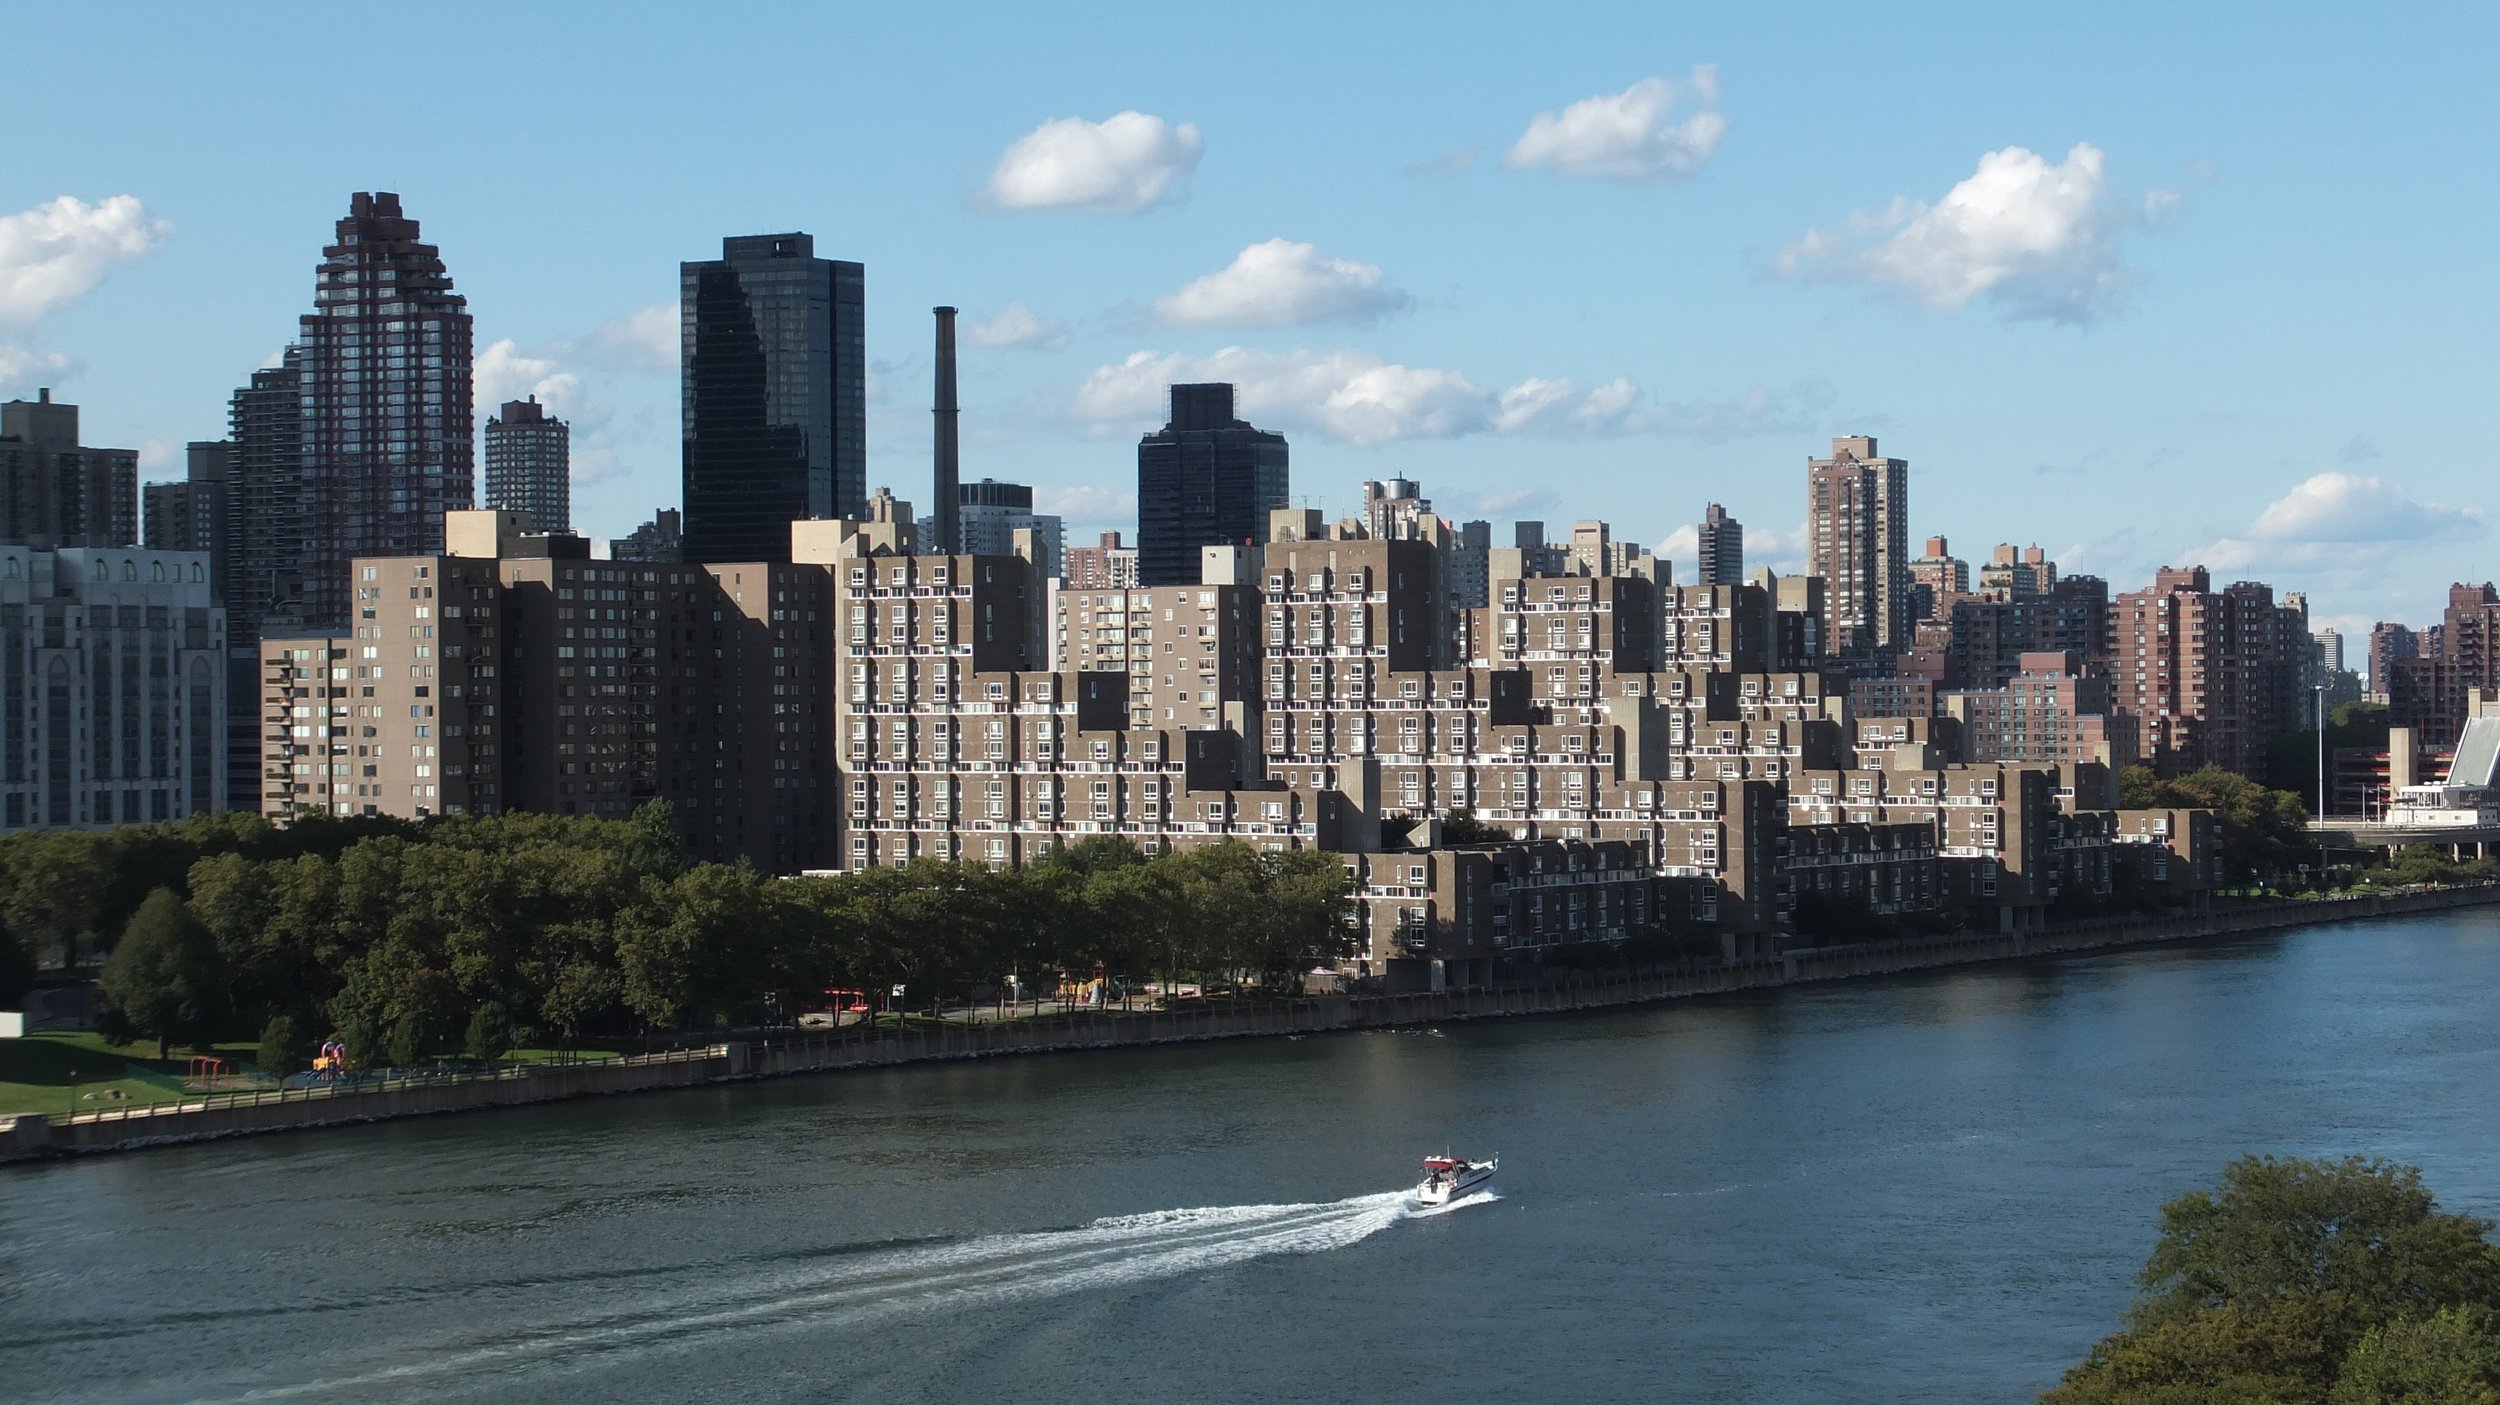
2321 785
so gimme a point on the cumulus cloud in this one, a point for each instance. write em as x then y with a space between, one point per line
1086 507
650 340
1017 327
1361 399
1784 552
1127 162
22 370
1283 284
503 371
2340 529
1634 135
58 252
2035 238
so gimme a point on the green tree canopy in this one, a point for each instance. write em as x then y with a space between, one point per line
2303 1283
164 976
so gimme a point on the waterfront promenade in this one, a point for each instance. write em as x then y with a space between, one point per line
226 1115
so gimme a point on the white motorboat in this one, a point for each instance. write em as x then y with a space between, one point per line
1446 1178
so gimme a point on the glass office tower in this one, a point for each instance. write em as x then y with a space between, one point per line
1204 479
775 373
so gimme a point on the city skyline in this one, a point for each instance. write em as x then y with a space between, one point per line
2044 397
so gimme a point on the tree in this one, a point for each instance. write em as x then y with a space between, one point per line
284 1047
2451 1357
2138 788
2265 833
2269 1287
164 976
490 1033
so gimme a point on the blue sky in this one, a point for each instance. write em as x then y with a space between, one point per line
2222 293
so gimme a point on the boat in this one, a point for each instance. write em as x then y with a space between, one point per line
1446 1178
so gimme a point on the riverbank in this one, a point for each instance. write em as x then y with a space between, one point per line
36 1137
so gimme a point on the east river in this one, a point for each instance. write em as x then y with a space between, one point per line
1925 1189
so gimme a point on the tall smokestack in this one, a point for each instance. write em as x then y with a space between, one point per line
950 516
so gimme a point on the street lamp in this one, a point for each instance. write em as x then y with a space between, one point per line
2321 785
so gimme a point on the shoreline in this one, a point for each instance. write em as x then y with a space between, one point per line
34 1138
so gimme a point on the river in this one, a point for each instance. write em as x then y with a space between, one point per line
1928 1188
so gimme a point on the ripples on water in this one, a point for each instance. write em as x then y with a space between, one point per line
1935 1188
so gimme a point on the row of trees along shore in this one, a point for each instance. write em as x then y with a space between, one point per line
463 933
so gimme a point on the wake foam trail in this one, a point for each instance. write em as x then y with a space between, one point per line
845 1286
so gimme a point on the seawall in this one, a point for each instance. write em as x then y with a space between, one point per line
226 1115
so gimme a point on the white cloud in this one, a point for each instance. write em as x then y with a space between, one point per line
1088 509
1361 399
2342 530
1017 327
504 372
56 253
1518 501
1633 135
1282 284
1784 552
2036 239
22 370
162 459
2349 507
1125 163
648 340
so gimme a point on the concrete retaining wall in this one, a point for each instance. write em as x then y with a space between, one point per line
225 1116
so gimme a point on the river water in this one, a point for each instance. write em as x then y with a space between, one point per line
1933 1188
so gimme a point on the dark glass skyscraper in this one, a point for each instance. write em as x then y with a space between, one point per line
775 367
389 437
1205 479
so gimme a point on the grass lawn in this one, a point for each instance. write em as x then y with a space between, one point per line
49 1072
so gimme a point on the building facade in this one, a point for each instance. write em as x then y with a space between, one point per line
112 687
529 465
1204 479
386 397
57 492
1858 540
775 394
1722 548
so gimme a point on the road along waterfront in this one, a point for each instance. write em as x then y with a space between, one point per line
1933 1187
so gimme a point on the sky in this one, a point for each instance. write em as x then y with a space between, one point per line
2141 284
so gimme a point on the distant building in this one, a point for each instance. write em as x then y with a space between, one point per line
2209 676
775 386
196 513
112 687
529 460
2057 710
55 491
1722 548
2012 574
662 539
1937 580
988 516
1204 479
265 423
1857 528
389 432
1105 566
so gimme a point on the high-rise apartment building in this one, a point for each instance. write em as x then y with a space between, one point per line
1106 565
1937 579
196 513
2209 676
389 436
112 687
775 394
513 672
2017 574
265 423
660 540
529 463
1204 479
55 491
988 514
1857 525
1722 548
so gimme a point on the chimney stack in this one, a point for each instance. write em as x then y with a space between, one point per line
949 495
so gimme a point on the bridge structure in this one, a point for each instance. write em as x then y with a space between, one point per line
2461 814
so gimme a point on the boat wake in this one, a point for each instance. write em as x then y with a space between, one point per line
852 1284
